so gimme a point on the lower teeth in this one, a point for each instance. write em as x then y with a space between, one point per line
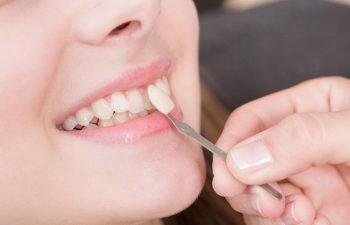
118 118
154 98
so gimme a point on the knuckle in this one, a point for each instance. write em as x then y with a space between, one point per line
338 79
331 92
331 79
327 83
305 131
247 114
240 116
238 112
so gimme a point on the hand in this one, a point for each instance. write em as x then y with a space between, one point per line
300 136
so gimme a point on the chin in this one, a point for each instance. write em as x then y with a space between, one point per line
169 179
156 178
176 180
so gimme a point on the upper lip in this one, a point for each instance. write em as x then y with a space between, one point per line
134 78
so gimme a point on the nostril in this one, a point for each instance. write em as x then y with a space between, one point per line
125 28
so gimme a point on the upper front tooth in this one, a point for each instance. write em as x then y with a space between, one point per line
84 116
70 123
135 100
119 103
146 101
102 110
163 85
160 99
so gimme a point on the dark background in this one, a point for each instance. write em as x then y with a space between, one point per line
251 53
205 5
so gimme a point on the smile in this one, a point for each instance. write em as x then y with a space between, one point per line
123 116
118 108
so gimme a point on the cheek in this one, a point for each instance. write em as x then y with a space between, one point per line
179 30
29 51
28 57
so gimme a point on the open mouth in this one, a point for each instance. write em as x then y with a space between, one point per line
126 115
118 108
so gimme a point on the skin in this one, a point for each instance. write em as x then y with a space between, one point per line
53 53
305 129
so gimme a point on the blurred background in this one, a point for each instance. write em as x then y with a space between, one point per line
205 5
250 48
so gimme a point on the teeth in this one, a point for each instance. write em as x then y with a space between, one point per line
119 103
163 85
94 120
121 107
143 114
84 116
135 100
90 126
160 99
102 110
165 80
147 103
70 123
105 123
133 116
119 118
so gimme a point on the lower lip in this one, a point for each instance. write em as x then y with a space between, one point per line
131 131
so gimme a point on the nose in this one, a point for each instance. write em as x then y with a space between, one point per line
115 19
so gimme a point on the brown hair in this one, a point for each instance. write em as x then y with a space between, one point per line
209 208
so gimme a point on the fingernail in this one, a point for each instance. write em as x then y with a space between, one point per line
252 155
253 199
254 205
289 215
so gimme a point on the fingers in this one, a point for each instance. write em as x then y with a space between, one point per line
281 143
322 220
296 208
328 190
258 220
224 184
319 95
299 210
292 146
256 201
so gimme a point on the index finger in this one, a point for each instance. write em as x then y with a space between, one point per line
317 95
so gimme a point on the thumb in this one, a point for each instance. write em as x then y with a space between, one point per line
297 143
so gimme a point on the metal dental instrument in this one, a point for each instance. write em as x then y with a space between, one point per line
190 132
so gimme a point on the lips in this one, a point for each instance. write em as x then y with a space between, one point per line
121 111
131 131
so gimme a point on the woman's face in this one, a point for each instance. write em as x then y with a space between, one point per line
60 61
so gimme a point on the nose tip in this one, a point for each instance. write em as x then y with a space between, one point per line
112 19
